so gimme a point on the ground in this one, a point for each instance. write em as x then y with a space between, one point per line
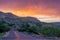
15 35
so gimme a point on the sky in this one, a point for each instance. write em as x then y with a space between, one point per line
44 10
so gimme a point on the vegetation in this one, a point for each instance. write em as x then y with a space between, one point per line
4 27
51 31
29 29
2 34
28 24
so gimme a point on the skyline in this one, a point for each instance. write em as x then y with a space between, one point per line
46 10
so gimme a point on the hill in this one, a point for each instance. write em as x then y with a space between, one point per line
18 21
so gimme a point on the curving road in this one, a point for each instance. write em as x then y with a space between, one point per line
15 35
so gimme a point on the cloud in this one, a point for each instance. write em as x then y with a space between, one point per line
47 18
40 7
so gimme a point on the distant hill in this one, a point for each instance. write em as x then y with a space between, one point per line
10 15
18 21
56 24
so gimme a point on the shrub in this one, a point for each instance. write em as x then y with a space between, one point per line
51 31
4 27
21 29
34 29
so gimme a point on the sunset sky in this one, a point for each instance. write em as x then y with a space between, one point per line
44 10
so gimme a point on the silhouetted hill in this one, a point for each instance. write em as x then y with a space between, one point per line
10 15
18 21
31 20
56 24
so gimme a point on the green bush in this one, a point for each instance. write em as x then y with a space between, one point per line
4 27
21 29
34 29
30 29
51 31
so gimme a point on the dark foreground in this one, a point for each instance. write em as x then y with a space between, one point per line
15 35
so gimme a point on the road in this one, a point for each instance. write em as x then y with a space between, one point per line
15 35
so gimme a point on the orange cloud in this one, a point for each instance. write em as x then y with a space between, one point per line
30 7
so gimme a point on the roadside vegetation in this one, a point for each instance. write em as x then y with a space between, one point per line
51 31
48 31
3 28
30 29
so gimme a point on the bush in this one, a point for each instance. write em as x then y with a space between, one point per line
4 27
34 29
51 31
21 29
30 29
